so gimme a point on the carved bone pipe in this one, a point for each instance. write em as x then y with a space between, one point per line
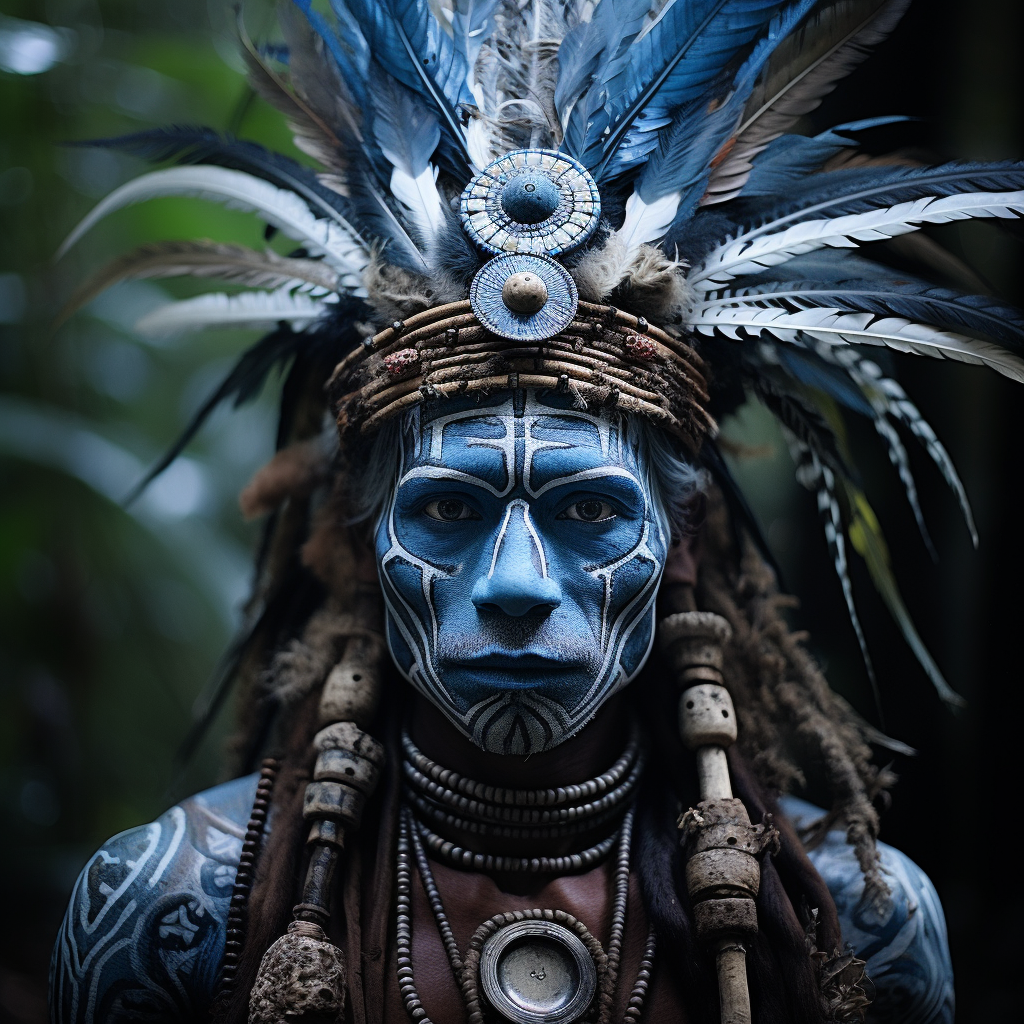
722 873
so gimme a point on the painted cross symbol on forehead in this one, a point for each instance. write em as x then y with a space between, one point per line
518 445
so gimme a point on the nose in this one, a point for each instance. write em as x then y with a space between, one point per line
517 581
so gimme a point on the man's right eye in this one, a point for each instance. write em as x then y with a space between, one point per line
449 510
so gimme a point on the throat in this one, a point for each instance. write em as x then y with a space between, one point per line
586 755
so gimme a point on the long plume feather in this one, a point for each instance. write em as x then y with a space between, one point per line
838 327
205 259
256 310
804 69
754 250
340 246
185 144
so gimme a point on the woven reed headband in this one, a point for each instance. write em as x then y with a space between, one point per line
605 358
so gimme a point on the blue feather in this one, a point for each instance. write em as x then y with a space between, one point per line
347 47
811 370
688 49
472 24
683 162
591 58
405 38
789 159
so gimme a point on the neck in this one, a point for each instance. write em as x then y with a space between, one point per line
587 754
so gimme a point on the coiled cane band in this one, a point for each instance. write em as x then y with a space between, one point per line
605 358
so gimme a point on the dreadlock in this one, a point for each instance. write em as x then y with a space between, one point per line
784 701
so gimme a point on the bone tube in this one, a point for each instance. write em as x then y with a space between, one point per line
722 874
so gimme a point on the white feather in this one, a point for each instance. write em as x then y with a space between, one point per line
258 310
646 222
338 243
838 327
420 197
760 248
480 141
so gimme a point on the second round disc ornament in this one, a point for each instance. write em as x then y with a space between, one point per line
524 298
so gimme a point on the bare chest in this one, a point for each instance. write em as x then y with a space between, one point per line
469 900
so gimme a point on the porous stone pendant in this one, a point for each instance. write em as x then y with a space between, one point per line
301 978
537 972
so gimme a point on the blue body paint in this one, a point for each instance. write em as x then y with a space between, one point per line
520 558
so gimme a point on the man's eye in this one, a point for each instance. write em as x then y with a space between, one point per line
449 510
590 510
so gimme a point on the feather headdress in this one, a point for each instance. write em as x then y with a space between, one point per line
660 136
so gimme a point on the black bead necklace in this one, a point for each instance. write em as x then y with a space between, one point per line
446 800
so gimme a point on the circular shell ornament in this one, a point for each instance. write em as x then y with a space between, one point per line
525 298
538 972
531 201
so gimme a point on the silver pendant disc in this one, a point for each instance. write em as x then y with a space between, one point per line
537 972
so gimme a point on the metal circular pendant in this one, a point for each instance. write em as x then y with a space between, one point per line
525 298
531 201
537 972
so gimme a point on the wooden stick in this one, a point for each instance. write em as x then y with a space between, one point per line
722 874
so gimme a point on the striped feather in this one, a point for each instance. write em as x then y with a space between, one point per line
838 327
755 250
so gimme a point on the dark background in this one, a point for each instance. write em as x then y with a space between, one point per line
111 622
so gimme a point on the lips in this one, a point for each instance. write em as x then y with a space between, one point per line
514 671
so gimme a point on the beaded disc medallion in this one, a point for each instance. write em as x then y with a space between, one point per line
490 298
531 201
537 972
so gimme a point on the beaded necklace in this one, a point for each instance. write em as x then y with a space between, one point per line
558 946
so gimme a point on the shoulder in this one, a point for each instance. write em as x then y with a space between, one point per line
905 945
143 936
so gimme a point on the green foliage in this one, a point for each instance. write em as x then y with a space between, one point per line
112 619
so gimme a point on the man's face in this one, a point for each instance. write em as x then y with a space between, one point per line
520 558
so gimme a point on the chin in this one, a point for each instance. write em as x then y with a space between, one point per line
518 722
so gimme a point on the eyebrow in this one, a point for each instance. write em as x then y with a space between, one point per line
440 473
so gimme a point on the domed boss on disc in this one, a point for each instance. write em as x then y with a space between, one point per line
524 298
531 201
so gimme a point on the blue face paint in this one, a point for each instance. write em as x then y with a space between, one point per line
520 558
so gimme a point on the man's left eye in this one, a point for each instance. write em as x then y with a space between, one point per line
449 510
590 510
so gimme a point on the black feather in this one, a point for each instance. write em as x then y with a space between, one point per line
860 189
905 297
321 349
192 144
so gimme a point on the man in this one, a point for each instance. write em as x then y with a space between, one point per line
529 701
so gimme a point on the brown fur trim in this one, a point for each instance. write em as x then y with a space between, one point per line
295 471
648 283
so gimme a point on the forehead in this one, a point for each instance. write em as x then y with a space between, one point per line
523 436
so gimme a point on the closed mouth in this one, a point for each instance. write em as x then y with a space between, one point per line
505 670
